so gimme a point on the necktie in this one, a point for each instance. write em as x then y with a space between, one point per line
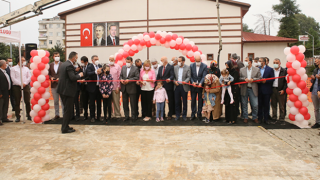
164 69
113 42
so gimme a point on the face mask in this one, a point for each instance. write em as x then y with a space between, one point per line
155 66
128 65
76 66
147 68
179 64
161 63
198 63
57 59
276 66
82 64
259 64
24 63
171 63
246 64
10 63
111 63
97 63
107 72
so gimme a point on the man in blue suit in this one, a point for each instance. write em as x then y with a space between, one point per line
198 73
265 91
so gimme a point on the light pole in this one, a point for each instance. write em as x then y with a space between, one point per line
10 26
312 47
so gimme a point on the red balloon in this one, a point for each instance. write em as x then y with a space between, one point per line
45 107
289 91
289 64
45 60
33 78
37 119
36 72
32 106
295 50
45 84
181 38
148 44
192 59
31 83
136 51
296 78
303 63
158 36
47 54
300 57
136 41
142 42
305 90
119 57
152 34
174 36
37 96
307 116
188 57
41 66
291 71
145 33
162 40
33 101
293 98
125 43
131 53
47 77
195 48
41 113
182 46
168 37
292 117
130 42
47 101
188 47
172 47
125 54
41 90
288 79
177 47
302 84
34 53
303 111
31 59
298 104
200 51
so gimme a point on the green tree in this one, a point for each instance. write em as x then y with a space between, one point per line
306 23
5 52
245 28
309 44
58 48
287 8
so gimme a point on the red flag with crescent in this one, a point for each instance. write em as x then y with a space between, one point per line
86 34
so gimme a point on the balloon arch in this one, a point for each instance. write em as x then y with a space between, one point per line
160 38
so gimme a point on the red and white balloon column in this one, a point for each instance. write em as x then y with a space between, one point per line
297 86
160 38
40 86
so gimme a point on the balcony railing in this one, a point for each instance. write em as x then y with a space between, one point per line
43 46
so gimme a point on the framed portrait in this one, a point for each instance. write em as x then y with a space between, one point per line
113 34
99 34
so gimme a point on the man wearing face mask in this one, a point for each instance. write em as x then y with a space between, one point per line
54 77
256 62
115 71
198 73
279 95
67 87
174 61
84 93
8 70
76 115
16 87
138 64
315 92
128 89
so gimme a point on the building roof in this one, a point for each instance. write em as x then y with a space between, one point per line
246 6
255 38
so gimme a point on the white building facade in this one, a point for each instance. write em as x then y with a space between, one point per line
51 32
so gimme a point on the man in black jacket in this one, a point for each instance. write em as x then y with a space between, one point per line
279 95
67 88
314 92
4 92
9 65
166 72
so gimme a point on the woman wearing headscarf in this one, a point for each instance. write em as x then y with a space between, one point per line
232 109
213 69
212 81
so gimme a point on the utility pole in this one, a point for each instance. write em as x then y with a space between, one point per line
219 29
312 46
10 26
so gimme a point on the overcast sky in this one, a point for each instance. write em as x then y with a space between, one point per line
29 28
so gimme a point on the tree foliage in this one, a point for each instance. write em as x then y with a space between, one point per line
5 52
245 28
306 23
57 48
287 8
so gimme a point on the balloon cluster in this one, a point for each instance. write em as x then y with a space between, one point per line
297 86
40 86
160 38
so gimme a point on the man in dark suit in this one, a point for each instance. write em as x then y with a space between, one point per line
279 95
78 70
99 41
198 73
9 65
138 64
128 89
112 39
265 91
84 93
166 72
93 87
67 87
4 92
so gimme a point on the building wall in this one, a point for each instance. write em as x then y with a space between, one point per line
269 49
44 35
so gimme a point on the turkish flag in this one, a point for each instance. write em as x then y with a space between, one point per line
86 34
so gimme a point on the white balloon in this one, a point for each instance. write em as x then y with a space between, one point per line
197 53
305 103
192 43
121 51
158 32
134 47
190 53
140 47
33 66
36 84
170 33
44 72
297 91
126 47
299 117
167 44
184 52
291 57
302 124
303 97
36 60
301 71
304 77
186 41
33 113
46 95
158 43
292 85
37 108
290 103
41 53
134 38
203 57
41 102
179 41
153 41
47 66
163 34
294 110
41 78
173 43
296 65
33 90
146 38
48 112
287 50
302 49
46 118
48 90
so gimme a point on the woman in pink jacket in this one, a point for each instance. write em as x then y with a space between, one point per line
147 79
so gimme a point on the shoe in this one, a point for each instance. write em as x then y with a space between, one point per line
85 118
232 101
158 120
283 123
199 118
93 120
126 119
69 131
99 119
177 118
222 102
1 124
316 125
267 123
135 118
146 119
169 118
17 120
7 120
204 119
207 120
193 118
29 118
77 118
162 119
105 121
256 121
185 119
73 118
245 121
71 128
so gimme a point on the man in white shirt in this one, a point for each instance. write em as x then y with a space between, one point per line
16 87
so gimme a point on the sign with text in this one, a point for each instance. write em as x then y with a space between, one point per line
303 38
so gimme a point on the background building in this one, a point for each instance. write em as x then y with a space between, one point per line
51 32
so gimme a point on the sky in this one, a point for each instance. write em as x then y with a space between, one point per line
29 28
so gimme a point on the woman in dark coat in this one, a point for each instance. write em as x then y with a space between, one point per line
233 108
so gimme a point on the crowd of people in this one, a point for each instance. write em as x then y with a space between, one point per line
82 88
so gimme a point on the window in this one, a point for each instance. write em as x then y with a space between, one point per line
58 26
63 34
58 33
50 25
50 34
58 42
45 43
251 55
229 56
44 27
210 57
50 41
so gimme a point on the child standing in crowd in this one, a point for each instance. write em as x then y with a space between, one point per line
160 96
106 87
208 103
226 79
